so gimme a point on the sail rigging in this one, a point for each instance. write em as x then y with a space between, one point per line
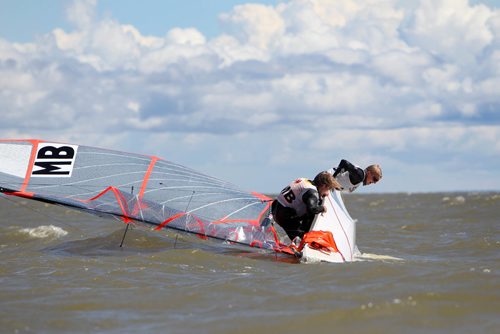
162 195
158 192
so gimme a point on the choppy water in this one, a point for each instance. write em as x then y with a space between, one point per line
430 265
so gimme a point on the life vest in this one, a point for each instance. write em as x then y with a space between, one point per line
319 240
291 196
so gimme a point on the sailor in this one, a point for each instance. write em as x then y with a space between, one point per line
296 206
351 177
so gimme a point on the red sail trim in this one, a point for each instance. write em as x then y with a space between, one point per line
24 194
275 234
144 205
119 199
148 174
228 221
265 212
255 222
202 227
164 223
139 204
22 140
261 196
279 248
179 215
34 149
256 243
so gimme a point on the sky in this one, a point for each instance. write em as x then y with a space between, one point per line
259 93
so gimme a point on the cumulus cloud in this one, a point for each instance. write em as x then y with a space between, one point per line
315 79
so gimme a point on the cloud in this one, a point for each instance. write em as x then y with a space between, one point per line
82 13
315 79
452 30
255 25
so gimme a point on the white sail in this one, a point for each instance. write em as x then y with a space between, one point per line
137 188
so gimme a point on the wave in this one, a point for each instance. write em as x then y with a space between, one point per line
44 231
457 200
376 257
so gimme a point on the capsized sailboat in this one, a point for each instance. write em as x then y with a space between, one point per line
160 194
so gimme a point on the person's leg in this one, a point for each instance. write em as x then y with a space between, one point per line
287 219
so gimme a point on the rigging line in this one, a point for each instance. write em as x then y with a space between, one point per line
186 196
138 203
86 187
166 164
240 209
188 178
89 191
343 230
191 174
83 181
200 195
98 189
139 157
189 187
128 224
35 185
270 245
188 218
185 171
187 206
223 201
124 234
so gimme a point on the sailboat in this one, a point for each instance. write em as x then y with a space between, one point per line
160 194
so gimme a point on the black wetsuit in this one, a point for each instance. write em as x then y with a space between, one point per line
287 218
356 174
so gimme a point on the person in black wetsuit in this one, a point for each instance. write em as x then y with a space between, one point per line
351 177
296 206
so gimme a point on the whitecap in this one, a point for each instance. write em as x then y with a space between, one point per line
457 200
376 257
44 231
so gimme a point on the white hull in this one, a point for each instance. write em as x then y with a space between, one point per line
338 221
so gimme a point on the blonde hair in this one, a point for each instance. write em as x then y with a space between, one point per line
327 179
375 170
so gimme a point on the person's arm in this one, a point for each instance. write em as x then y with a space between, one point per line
344 166
313 203
356 174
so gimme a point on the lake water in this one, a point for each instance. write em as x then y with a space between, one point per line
430 264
